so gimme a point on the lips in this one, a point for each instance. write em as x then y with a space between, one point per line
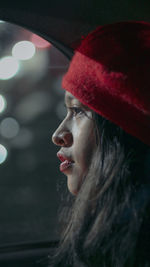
66 162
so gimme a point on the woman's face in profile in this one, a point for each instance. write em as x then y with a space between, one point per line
75 136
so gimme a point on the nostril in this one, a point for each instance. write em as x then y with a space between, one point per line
63 139
68 138
61 142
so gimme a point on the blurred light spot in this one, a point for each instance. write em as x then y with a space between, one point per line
23 50
9 67
1 21
3 154
39 42
9 128
36 68
2 103
61 110
23 139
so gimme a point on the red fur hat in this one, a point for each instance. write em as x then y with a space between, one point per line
110 73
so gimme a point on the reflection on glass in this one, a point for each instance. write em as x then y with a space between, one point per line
23 50
3 154
31 107
9 128
39 42
9 67
2 103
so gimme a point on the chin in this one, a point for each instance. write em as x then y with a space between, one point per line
73 191
74 183
73 188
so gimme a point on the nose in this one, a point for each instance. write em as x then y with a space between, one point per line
62 137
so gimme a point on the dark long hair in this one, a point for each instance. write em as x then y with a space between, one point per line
108 222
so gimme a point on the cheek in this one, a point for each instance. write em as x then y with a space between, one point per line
84 147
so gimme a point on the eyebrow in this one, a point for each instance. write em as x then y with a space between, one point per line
69 98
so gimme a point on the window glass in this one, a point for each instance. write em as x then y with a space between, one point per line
31 106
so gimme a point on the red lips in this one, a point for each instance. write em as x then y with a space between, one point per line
62 157
66 162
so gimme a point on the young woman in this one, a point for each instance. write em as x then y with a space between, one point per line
104 150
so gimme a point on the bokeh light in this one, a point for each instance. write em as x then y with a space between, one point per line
3 154
3 103
9 128
9 67
39 42
23 50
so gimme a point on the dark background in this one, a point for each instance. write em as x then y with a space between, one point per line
66 21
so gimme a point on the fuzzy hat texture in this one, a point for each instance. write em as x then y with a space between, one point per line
110 73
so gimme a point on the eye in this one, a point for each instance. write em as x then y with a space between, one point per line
76 111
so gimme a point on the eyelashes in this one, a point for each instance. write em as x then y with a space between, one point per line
75 111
